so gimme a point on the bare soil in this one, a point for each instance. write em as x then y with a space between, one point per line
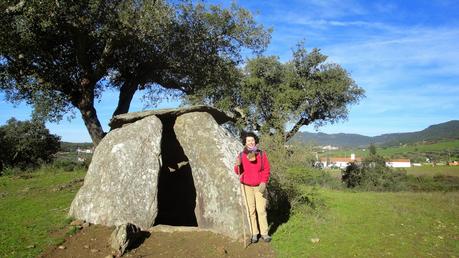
93 241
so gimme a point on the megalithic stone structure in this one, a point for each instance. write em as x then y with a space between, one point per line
171 167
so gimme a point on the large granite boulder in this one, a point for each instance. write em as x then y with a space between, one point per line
172 167
121 183
211 152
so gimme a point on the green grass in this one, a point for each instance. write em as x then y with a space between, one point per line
433 171
369 224
32 208
353 224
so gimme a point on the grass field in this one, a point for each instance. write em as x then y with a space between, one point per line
353 224
433 171
31 208
368 224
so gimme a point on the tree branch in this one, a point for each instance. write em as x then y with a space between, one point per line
296 127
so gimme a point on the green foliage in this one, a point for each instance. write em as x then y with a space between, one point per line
314 177
372 149
26 144
285 190
306 90
69 166
61 55
373 175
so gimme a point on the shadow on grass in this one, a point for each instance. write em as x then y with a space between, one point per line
279 207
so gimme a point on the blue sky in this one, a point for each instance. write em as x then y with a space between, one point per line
405 54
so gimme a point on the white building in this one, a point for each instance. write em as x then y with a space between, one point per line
329 147
88 151
399 163
339 162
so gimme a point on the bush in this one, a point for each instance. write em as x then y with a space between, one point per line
286 193
373 175
26 144
313 177
66 165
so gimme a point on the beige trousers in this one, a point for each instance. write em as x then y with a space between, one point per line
256 204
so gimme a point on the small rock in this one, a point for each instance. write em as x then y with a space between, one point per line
30 246
122 236
94 250
86 246
77 222
86 224
315 240
109 256
61 247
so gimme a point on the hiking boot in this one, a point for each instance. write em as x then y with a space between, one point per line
266 238
254 239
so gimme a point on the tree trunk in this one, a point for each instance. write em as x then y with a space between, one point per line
296 127
127 92
93 125
84 101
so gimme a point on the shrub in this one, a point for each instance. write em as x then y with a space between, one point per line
313 177
26 144
285 191
373 175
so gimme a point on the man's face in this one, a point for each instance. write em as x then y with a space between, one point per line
249 142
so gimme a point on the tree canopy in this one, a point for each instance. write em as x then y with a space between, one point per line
61 55
26 144
271 95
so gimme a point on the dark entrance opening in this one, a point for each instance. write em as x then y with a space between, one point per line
176 191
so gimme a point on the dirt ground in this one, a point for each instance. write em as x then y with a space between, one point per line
93 241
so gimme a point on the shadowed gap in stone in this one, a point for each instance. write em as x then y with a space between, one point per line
176 191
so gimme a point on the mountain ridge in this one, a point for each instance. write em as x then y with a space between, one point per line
446 130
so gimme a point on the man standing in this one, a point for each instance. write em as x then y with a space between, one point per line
252 166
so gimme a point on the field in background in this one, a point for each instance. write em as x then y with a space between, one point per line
32 206
440 152
369 224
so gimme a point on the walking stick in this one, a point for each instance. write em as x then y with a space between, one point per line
246 209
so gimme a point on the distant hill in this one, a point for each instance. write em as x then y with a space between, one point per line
447 130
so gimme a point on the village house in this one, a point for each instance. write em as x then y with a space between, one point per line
87 151
398 163
338 162
343 162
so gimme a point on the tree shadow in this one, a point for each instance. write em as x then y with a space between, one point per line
279 207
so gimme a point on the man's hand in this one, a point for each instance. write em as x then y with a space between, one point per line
262 187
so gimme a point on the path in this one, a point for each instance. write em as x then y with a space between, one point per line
92 242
